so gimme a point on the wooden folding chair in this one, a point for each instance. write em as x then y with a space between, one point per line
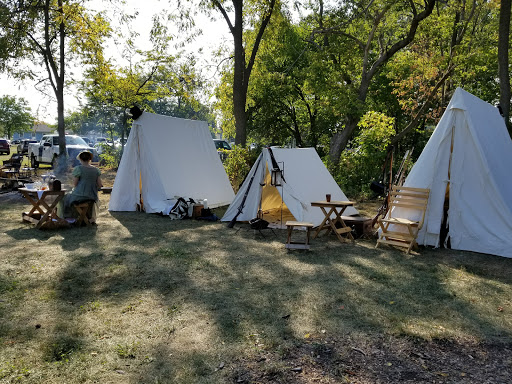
415 200
84 210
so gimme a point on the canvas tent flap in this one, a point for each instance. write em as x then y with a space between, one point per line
306 180
476 168
249 208
167 157
126 196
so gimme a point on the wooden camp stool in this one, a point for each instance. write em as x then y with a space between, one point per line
83 208
297 245
415 200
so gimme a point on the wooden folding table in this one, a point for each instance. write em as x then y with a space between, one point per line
332 211
44 206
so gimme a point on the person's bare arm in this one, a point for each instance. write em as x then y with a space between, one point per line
75 181
99 183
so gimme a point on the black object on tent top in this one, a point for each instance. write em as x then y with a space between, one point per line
136 112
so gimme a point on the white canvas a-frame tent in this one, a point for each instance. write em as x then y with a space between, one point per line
305 180
466 163
166 157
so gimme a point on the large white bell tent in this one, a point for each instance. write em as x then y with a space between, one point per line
466 165
166 157
304 179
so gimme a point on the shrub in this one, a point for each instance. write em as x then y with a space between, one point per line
237 165
111 156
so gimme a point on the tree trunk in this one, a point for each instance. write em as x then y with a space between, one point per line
62 162
239 77
503 48
59 82
242 70
340 139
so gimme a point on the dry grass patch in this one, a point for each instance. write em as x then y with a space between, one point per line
144 299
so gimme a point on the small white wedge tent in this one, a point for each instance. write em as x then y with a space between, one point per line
467 161
166 157
305 180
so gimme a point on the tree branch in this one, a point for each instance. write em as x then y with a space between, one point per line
224 14
419 113
257 41
406 40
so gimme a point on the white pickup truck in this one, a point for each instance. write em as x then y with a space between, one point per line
47 150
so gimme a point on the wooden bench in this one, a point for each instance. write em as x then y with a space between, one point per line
297 245
415 201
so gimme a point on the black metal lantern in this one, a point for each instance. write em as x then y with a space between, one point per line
276 177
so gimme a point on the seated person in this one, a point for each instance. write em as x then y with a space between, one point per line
87 182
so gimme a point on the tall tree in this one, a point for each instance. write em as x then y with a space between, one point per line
14 115
376 30
150 74
49 34
244 55
445 48
503 62
290 91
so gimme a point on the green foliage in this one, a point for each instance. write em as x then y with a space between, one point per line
111 156
361 164
14 116
237 165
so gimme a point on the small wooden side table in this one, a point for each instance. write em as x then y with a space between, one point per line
297 245
329 223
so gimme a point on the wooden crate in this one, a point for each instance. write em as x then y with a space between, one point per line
196 211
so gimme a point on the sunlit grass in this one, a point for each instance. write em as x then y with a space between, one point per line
141 298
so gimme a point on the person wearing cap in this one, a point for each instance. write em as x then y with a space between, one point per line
87 182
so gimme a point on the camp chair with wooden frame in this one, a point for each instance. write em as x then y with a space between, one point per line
412 199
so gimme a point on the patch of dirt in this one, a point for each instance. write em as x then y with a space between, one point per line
383 359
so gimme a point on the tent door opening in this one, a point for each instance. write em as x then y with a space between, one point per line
272 207
444 232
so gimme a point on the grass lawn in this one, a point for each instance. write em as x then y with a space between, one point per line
144 299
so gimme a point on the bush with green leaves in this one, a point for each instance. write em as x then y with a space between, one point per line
238 164
362 163
111 156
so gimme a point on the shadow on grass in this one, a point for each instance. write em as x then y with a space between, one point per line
247 295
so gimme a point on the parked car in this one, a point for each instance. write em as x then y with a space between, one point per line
102 140
118 144
23 146
5 148
47 150
87 140
16 142
222 146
